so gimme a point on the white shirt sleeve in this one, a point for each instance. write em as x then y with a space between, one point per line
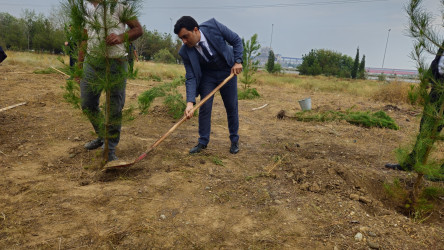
441 65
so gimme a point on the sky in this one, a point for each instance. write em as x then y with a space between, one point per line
291 27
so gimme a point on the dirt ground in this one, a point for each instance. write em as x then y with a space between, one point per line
293 185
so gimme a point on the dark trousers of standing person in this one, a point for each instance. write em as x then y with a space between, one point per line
2 54
210 80
72 61
131 68
90 92
426 135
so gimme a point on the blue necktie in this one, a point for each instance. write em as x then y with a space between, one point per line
205 51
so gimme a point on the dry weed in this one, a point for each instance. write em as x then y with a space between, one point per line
393 92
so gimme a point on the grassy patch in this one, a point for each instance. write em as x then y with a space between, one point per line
216 160
176 104
399 193
174 100
366 119
44 71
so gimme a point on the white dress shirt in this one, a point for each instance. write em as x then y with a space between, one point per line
203 39
441 65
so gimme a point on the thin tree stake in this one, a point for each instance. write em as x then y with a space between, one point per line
63 73
261 107
13 106
277 163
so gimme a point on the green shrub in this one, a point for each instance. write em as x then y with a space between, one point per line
326 62
247 94
146 98
174 99
72 93
176 104
382 77
414 95
164 56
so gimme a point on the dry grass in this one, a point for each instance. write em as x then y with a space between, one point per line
146 69
29 59
394 92
164 71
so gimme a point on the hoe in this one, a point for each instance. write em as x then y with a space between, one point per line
120 164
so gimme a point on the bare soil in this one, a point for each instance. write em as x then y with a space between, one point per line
293 185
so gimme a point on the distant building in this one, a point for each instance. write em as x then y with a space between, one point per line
284 61
392 72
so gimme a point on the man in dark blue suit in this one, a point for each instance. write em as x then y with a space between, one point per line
209 59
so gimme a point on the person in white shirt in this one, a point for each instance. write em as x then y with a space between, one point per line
93 69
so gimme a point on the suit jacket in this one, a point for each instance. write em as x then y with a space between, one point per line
218 35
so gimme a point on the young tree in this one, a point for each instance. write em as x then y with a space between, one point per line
354 70
427 40
361 70
250 65
270 63
105 69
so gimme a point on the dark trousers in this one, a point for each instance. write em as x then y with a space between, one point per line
426 134
210 80
131 66
72 61
2 55
90 91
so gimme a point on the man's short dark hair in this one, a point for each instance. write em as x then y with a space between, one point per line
186 22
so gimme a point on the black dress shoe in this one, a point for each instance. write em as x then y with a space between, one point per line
394 166
234 149
94 144
197 148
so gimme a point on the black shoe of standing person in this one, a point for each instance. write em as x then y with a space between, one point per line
112 156
396 166
234 149
197 148
96 143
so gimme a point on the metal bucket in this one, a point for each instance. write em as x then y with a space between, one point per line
305 104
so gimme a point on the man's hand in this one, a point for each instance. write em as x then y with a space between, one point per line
237 68
188 110
114 39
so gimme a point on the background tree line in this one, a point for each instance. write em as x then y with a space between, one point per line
42 33
331 63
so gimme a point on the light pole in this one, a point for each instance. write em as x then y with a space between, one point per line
388 34
271 40
171 24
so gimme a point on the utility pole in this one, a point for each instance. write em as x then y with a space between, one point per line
271 40
388 34
171 24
